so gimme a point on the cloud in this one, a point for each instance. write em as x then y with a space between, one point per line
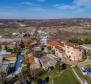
75 5
41 0
28 4
33 7
85 3
64 7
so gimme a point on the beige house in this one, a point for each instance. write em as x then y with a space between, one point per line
72 51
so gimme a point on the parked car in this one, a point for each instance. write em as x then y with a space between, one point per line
83 70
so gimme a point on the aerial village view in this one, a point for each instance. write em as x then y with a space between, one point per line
45 42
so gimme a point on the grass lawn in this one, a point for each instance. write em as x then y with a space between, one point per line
88 66
88 79
84 58
79 73
65 77
89 57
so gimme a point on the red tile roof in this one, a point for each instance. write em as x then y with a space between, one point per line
60 45
56 44
60 48
30 60
6 43
75 46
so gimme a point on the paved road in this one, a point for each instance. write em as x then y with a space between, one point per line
82 64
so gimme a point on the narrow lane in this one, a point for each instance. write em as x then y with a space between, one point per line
19 61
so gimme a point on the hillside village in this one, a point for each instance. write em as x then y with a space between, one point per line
28 57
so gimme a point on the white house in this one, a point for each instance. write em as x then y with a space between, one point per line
58 47
86 49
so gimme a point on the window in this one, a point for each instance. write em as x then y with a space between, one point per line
67 51
71 52
79 54
69 56
67 46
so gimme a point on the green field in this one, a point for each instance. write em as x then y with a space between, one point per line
65 77
88 78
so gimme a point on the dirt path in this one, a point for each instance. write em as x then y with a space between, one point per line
80 80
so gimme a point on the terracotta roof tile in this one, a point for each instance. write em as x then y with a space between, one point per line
30 59
56 44
75 46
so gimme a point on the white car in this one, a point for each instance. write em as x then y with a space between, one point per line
20 60
83 70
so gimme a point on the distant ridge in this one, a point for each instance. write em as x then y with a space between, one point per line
17 23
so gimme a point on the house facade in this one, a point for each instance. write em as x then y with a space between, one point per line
73 51
58 48
86 49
